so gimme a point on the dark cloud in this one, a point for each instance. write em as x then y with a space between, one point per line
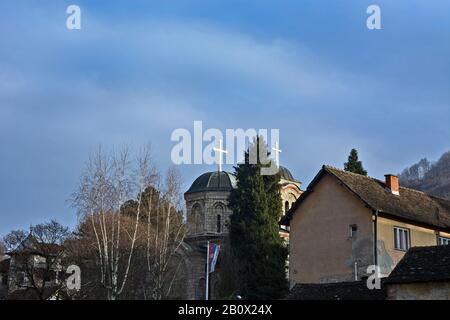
134 73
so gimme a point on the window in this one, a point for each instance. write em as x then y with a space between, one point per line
443 241
286 206
219 223
196 223
48 276
219 210
402 239
20 278
353 228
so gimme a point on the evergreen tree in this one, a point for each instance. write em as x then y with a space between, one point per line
353 164
254 229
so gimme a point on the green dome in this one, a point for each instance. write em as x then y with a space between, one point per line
285 174
213 181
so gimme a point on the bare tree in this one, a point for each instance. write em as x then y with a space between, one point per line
158 264
106 184
14 239
2 249
165 234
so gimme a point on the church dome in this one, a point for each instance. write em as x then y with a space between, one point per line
213 181
285 174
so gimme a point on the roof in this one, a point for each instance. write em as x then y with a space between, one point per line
285 174
422 264
410 205
355 290
226 181
213 181
33 247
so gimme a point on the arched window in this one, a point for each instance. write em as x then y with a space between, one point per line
219 223
286 206
219 210
196 223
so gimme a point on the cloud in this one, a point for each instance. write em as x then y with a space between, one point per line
131 76
158 74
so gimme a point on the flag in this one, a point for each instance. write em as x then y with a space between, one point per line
213 255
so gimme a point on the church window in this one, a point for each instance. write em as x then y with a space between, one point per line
219 211
219 223
196 220
286 206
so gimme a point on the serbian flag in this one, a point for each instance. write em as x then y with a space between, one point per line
213 255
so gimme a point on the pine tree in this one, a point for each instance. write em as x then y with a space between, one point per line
254 230
353 164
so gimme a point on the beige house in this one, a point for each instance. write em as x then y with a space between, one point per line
345 222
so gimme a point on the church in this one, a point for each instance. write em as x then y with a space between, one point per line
207 219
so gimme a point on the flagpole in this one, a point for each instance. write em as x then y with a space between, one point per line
207 272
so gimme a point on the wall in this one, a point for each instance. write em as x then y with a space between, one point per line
290 193
388 256
207 202
320 247
419 291
191 285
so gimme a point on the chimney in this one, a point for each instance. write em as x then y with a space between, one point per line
392 183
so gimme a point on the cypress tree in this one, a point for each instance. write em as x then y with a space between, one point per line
254 229
353 164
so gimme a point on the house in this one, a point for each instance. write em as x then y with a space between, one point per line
35 270
4 271
423 274
345 222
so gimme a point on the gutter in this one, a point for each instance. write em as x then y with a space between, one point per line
375 236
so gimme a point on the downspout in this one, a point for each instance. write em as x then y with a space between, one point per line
375 237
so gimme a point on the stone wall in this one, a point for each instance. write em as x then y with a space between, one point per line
194 252
211 204
419 291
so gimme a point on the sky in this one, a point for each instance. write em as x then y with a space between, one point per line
138 70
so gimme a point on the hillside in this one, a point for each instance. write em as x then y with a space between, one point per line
432 178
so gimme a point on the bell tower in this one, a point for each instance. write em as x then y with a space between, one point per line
207 203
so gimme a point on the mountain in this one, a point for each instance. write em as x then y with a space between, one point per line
432 178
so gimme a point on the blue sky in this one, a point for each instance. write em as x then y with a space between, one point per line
140 69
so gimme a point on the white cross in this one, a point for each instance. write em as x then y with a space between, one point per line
220 150
277 154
